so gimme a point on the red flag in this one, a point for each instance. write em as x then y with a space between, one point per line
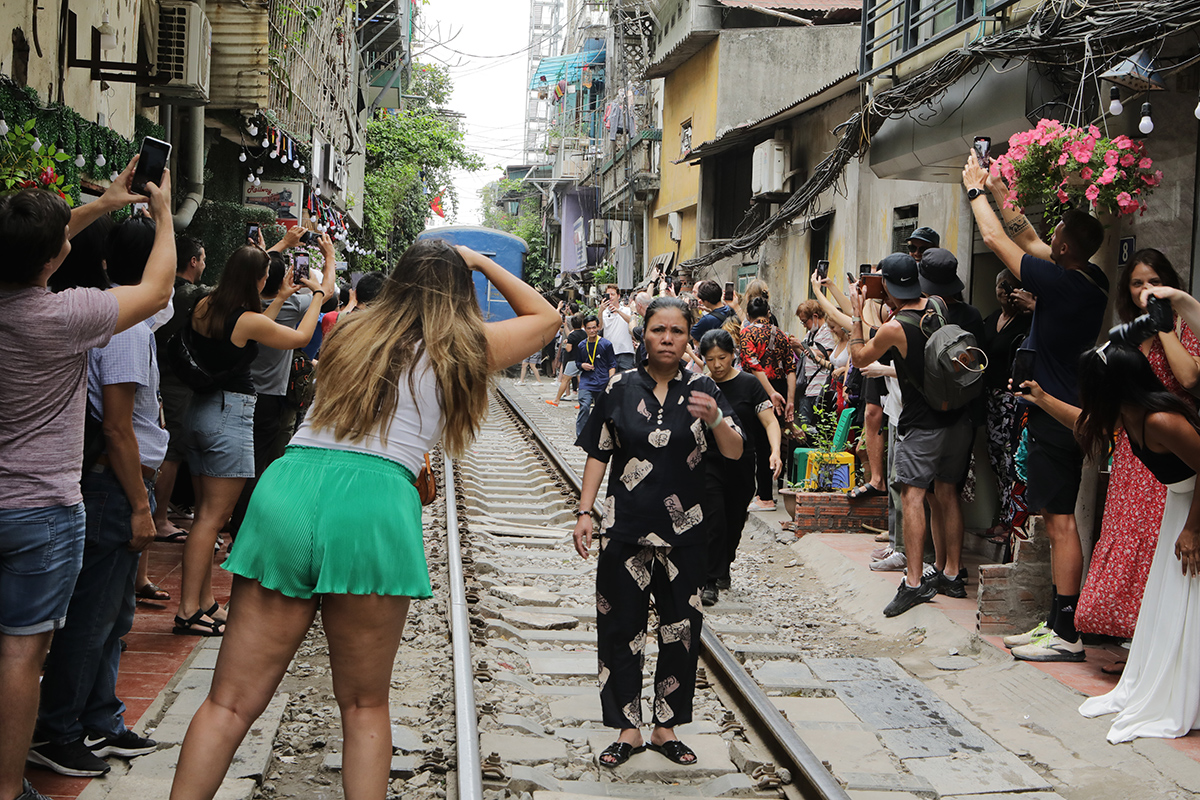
436 205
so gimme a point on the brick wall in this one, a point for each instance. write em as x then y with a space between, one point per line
834 512
1014 597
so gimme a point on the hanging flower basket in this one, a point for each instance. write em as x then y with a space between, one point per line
1061 167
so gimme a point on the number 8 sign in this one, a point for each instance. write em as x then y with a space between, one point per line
1125 250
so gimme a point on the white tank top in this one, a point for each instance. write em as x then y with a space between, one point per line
416 427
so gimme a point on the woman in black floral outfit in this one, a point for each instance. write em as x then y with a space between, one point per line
655 423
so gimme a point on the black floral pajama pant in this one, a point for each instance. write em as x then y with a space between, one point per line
627 575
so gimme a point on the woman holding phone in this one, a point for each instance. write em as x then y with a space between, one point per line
1159 691
226 329
335 524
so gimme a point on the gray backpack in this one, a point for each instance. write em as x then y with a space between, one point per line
954 362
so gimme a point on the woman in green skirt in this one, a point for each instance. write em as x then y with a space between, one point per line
336 523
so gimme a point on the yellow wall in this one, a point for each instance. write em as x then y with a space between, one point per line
690 92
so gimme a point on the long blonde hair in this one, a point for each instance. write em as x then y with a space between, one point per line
427 306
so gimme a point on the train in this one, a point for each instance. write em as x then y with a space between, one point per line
505 249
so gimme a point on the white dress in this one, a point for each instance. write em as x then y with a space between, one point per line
1159 691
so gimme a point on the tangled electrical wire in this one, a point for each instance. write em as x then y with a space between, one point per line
1058 33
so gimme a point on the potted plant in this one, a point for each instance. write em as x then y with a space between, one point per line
1063 167
831 468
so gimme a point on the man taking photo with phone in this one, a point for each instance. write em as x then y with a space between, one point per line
617 327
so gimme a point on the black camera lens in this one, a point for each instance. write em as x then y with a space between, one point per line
1134 332
1160 311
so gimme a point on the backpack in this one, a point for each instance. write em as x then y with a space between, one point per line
301 386
954 362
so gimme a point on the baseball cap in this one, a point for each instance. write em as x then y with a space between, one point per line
927 235
939 273
900 276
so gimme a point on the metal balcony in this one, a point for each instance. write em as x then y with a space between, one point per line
896 30
630 178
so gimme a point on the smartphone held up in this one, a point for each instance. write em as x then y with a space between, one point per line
983 150
299 267
152 161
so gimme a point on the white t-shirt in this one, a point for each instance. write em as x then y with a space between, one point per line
616 330
892 405
416 426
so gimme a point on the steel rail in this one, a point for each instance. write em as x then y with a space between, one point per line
808 773
470 767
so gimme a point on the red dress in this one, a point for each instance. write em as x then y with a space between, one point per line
1112 595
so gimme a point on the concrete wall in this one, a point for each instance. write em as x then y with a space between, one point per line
765 69
690 92
119 103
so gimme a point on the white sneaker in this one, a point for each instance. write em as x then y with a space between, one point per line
520 383
896 562
759 505
1022 639
928 571
1050 647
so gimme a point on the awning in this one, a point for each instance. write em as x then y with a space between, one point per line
752 131
570 66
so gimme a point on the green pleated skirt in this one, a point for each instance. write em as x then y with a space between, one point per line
332 522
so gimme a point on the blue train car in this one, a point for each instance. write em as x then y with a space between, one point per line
505 249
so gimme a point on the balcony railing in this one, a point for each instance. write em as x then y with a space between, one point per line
896 30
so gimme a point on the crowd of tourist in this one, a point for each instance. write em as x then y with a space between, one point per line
124 367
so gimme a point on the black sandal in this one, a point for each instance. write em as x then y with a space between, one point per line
675 750
619 752
865 491
196 625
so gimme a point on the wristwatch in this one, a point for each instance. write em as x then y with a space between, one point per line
973 193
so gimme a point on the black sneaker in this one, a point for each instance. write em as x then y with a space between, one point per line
723 583
709 595
72 758
907 597
127 745
30 793
951 587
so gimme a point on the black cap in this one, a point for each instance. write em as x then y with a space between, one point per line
900 276
927 235
939 273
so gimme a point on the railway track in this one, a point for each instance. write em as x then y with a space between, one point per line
522 620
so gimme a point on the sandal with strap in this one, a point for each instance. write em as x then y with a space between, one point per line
179 536
865 492
151 591
675 750
619 753
197 625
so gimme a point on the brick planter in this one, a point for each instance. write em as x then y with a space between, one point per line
1013 597
835 512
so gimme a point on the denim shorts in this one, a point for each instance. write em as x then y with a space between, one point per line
41 552
220 435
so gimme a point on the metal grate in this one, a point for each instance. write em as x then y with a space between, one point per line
172 41
893 30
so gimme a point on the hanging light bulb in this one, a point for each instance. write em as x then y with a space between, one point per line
113 177
266 143
1146 125
302 169
257 181
252 129
3 126
250 178
1114 102
37 145
79 160
258 171
1197 111
108 34
317 191
296 165
242 157
101 160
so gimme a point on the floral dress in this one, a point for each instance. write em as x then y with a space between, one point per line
1133 510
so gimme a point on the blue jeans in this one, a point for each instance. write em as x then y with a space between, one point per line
586 397
79 689
40 553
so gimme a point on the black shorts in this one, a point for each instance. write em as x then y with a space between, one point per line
1054 466
873 391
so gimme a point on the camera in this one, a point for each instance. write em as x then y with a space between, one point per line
1158 318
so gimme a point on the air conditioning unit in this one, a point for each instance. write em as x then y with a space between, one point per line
770 167
184 50
596 233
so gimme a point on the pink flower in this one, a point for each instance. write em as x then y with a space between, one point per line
1093 132
1062 158
1125 199
1109 175
1111 158
1127 160
1145 163
1123 142
1062 196
1086 173
1092 192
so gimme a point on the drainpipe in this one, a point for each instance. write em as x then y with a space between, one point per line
194 166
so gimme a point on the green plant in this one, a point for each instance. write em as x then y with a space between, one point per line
1063 167
605 272
26 163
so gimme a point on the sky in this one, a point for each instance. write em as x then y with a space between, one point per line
489 83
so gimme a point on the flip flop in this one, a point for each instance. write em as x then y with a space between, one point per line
619 752
178 537
865 491
675 750
151 591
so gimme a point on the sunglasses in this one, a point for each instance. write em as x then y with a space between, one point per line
918 248
1103 355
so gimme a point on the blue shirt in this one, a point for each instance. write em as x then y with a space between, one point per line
1066 322
130 357
599 353
710 321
